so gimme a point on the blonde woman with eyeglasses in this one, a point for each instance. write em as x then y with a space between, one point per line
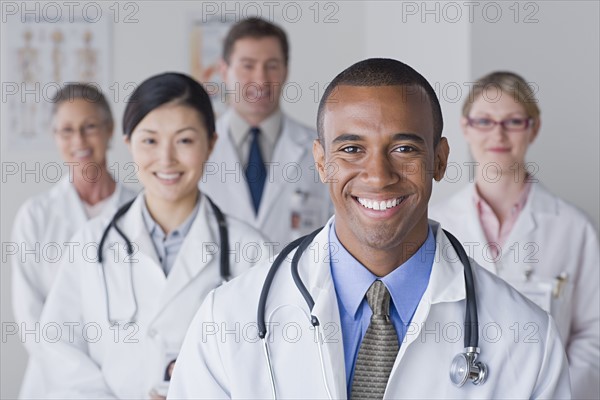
516 228
82 125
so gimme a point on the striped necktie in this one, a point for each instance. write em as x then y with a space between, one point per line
378 349
256 173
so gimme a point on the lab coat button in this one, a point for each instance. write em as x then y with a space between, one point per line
152 333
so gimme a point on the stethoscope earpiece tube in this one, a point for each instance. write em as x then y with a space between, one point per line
125 238
299 284
471 319
113 223
262 302
224 239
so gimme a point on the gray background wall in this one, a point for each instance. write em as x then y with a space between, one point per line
559 53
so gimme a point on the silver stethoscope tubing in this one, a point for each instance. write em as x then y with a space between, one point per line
224 250
464 366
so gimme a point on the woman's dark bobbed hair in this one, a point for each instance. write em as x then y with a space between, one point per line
170 87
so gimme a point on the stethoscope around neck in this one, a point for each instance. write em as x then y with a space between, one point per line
224 252
464 366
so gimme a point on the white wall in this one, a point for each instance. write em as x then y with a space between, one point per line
560 53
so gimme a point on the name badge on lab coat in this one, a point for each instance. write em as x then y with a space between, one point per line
161 388
304 213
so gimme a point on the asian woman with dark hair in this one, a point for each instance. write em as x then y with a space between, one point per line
158 257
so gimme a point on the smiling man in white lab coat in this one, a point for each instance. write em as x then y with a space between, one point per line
261 170
388 288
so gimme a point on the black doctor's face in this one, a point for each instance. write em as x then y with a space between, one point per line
378 158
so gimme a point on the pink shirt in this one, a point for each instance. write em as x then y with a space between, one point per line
494 232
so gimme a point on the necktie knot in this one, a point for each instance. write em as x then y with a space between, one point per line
254 132
378 298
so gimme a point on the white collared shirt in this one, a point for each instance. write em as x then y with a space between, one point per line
239 131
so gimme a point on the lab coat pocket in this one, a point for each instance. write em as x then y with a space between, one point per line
551 294
538 291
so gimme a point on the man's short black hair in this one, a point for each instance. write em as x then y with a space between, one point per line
383 72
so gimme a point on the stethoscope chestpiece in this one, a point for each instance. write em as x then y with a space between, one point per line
466 367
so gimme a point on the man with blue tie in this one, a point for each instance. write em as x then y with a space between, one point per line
261 170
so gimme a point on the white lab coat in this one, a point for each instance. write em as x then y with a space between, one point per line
44 224
127 361
525 359
292 188
550 237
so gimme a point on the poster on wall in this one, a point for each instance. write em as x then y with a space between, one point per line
41 57
206 45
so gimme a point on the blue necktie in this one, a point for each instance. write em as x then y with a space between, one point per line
256 173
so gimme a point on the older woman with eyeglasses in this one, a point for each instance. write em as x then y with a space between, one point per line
82 125
517 229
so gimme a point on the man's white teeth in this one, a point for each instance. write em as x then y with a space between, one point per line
82 153
380 205
167 177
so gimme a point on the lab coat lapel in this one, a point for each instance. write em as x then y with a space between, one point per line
320 284
75 212
288 153
537 203
195 254
229 165
447 280
148 276
133 226
473 215
446 284
474 230
114 201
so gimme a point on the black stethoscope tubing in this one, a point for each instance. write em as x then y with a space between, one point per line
224 267
471 319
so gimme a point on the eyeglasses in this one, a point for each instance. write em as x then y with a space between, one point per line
89 129
510 124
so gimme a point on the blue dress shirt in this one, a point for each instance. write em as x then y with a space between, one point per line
167 246
351 280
